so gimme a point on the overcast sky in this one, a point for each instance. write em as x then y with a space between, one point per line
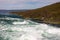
25 4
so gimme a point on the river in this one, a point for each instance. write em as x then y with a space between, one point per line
13 27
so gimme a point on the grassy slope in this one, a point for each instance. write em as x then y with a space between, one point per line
48 14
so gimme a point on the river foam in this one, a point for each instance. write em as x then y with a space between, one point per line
21 29
29 32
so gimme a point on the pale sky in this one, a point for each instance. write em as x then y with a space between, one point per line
25 4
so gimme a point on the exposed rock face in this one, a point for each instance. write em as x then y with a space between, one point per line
48 14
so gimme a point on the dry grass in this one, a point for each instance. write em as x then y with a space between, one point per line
49 14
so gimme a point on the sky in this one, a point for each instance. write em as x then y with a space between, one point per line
25 4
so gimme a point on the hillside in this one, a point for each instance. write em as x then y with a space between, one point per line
48 14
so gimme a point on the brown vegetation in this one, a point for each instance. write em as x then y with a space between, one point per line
49 14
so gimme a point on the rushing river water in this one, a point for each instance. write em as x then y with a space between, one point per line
13 27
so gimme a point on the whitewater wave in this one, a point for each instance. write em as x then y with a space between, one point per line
20 29
29 32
